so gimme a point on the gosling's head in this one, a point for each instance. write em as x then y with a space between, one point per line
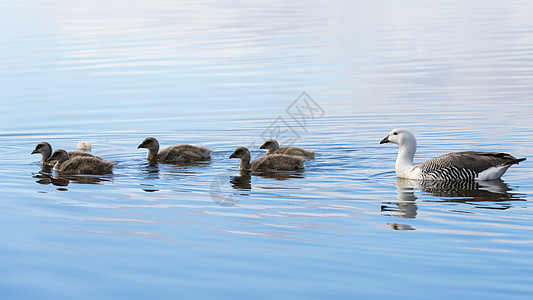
149 143
60 155
399 136
42 147
242 152
270 144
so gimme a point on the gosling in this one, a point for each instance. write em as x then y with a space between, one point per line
182 153
273 148
80 164
46 152
268 163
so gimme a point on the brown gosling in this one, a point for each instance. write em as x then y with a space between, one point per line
268 163
80 164
182 153
273 148
46 152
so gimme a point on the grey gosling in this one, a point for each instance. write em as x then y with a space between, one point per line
268 163
182 153
46 152
80 164
273 148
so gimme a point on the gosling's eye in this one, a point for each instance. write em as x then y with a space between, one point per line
396 133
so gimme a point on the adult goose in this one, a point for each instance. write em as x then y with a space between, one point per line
466 165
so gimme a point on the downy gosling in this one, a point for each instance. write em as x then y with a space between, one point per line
182 153
80 164
45 149
273 148
267 163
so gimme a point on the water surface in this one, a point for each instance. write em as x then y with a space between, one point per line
334 78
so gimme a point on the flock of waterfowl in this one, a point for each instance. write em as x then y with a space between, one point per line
464 166
289 158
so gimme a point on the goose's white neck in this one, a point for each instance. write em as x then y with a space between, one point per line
404 161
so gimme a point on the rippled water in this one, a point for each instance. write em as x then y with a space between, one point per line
334 78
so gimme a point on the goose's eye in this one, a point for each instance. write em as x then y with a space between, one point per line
396 133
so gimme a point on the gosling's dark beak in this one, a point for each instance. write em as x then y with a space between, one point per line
34 151
385 140
232 155
262 146
141 146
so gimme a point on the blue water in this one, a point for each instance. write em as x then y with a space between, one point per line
334 78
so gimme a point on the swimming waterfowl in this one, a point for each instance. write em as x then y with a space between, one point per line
466 165
273 148
84 146
182 153
46 152
80 164
268 163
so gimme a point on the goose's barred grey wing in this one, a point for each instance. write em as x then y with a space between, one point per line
465 165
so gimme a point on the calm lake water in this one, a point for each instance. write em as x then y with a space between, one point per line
334 78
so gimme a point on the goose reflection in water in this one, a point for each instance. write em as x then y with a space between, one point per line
151 170
45 178
228 190
280 175
493 194
242 182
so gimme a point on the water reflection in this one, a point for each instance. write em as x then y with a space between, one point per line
228 190
242 182
464 191
494 194
45 177
280 175
150 170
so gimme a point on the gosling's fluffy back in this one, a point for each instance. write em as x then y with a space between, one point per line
85 165
292 150
278 162
273 148
184 153
80 164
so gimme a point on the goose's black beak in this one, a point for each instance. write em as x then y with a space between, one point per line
141 146
232 155
262 146
34 151
385 140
